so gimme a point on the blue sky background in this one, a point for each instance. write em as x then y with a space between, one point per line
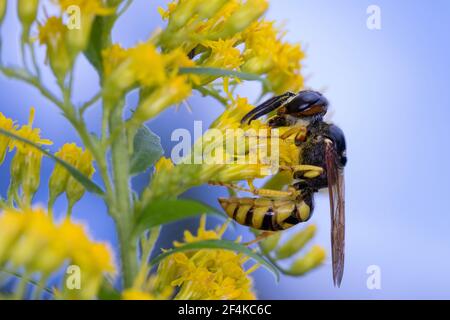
389 91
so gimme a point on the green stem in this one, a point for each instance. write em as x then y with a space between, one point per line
39 284
90 102
23 75
21 288
124 212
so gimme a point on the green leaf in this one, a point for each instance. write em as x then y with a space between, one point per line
225 73
278 181
164 211
80 177
220 244
108 292
147 150
100 39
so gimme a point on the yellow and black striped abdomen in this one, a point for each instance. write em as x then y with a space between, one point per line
266 214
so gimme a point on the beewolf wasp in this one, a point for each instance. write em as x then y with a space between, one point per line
321 164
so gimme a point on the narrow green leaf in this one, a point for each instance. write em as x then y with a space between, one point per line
220 244
80 177
147 150
164 211
226 73
100 39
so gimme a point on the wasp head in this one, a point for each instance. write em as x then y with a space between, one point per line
306 104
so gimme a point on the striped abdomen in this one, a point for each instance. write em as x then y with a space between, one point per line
266 214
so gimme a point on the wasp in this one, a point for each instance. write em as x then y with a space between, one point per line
321 165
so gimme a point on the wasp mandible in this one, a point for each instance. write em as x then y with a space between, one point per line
321 165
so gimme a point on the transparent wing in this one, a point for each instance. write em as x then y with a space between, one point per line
335 176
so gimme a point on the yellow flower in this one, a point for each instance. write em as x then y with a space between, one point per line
190 22
156 73
147 64
285 75
88 7
31 134
3 5
163 164
314 258
70 153
266 53
75 190
296 242
33 242
222 55
261 42
170 93
144 289
205 273
26 164
78 37
136 295
52 34
61 181
27 11
112 58
6 124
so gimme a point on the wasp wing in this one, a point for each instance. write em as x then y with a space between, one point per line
335 177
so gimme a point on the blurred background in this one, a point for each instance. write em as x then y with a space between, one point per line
389 92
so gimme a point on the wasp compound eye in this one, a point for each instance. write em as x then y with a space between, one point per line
306 104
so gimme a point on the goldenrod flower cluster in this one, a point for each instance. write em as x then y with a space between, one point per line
157 74
312 259
64 42
26 164
230 35
206 45
228 167
206 274
32 242
61 181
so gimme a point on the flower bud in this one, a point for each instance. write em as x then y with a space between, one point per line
183 12
297 242
311 260
52 35
3 7
31 176
207 9
174 91
7 125
70 153
27 11
257 65
247 13
269 244
77 39
75 190
11 225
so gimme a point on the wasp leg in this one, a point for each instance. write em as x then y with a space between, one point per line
292 193
302 170
228 185
259 238
299 132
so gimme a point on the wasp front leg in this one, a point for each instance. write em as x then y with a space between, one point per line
303 171
299 133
